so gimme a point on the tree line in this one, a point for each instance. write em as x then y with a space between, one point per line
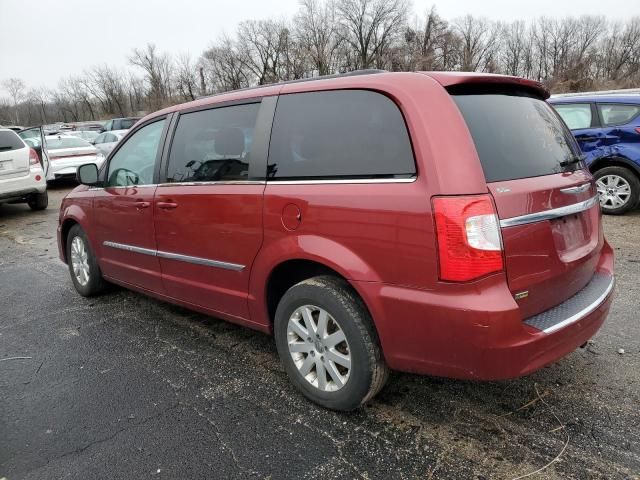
336 36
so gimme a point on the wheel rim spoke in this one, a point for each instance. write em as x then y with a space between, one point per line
80 261
319 348
335 339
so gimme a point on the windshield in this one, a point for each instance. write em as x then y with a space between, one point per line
517 136
54 143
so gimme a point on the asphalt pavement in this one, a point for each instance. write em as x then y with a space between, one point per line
126 387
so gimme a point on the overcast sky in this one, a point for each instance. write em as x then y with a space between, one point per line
42 41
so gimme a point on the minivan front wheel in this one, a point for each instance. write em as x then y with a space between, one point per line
619 189
327 343
83 265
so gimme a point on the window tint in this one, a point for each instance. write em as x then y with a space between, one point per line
213 145
576 116
617 114
332 134
517 136
134 162
10 141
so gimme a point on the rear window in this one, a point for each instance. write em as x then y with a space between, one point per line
339 134
517 136
66 142
10 141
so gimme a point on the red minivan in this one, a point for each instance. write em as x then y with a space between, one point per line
436 223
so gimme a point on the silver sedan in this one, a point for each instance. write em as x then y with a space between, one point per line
105 142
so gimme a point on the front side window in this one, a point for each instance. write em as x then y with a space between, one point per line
213 145
339 134
575 115
618 114
134 163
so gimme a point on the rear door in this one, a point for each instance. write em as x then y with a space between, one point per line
14 156
582 120
34 137
545 198
208 208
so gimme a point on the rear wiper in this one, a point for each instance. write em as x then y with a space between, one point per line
573 160
6 148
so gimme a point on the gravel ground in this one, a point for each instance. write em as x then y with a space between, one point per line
123 386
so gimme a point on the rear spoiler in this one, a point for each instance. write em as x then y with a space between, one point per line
460 81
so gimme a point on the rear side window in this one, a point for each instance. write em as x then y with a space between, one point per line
10 141
339 134
517 136
575 115
213 145
617 114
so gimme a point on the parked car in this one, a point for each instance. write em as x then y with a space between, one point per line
120 124
607 127
67 153
22 177
15 128
106 141
435 223
88 135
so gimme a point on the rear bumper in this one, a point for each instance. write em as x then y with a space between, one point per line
20 187
68 168
476 331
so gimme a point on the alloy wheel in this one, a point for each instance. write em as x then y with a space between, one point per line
80 261
614 191
319 348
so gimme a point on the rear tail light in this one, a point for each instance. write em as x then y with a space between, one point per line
33 157
469 241
638 130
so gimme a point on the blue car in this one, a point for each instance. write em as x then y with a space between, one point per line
607 128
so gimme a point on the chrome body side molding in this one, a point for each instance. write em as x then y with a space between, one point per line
176 256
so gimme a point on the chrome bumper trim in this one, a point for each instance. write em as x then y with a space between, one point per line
550 214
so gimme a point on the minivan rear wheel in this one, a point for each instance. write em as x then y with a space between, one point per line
83 265
327 344
619 189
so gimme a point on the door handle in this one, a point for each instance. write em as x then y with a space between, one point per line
167 205
142 204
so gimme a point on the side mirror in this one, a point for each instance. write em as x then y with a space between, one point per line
87 174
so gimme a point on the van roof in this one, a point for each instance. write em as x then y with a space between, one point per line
446 79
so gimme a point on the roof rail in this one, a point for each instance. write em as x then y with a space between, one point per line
353 73
622 91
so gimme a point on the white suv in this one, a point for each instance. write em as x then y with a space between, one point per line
22 178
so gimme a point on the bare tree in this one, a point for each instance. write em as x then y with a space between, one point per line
479 43
158 70
186 77
16 88
370 27
317 28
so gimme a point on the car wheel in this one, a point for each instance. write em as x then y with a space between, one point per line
38 201
83 266
328 345
619 189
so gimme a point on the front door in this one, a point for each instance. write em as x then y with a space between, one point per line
208 211
123 211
